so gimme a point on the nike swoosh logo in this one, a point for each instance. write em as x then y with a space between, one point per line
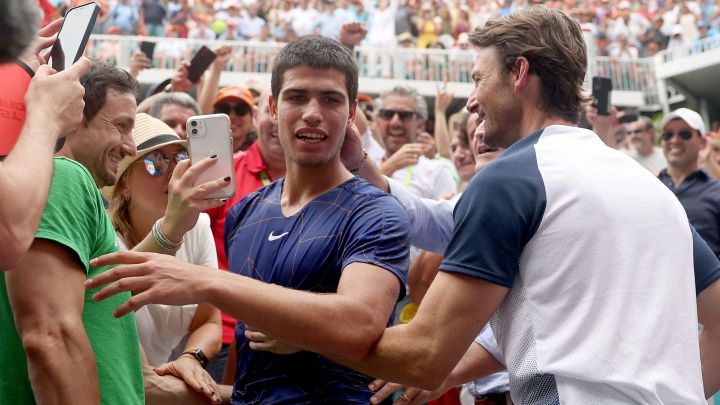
272 237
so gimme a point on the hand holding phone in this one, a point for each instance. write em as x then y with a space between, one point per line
148 48
601 88
199 63
210 135
73 36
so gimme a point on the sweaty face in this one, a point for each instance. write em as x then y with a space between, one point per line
679 152
494 101
107 138
176 116
395 131
312 113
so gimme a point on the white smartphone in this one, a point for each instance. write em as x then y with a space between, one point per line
210 135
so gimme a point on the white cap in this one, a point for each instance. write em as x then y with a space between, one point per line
689 116
624 5
677 29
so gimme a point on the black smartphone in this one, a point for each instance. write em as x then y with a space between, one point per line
73 36
601 88
148 48
628 117
199 63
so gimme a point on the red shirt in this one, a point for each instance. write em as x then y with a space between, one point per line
249 169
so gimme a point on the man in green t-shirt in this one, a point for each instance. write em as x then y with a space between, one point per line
58 345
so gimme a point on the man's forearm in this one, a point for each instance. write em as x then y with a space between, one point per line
476 363
710 357
61 366
25 177
321 323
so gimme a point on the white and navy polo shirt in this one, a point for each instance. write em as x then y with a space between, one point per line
598 256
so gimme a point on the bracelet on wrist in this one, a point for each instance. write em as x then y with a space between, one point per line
362 164
162 240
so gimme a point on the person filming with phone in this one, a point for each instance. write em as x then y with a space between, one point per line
53 105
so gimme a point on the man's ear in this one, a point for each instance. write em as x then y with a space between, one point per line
352 112
273 109
521 72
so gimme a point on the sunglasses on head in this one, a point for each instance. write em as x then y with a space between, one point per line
240 109
684 134
389 114
157 163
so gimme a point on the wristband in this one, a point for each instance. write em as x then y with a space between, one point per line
162 240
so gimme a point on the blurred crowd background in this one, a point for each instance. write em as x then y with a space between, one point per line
625 29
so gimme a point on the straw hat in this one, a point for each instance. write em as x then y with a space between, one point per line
148 134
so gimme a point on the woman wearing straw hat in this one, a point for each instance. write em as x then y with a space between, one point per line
136 202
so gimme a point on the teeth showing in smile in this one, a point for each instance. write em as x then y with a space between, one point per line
311 137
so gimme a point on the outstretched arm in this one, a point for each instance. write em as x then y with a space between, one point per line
345 323
422 353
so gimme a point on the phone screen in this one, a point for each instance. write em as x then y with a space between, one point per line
73 36
199 63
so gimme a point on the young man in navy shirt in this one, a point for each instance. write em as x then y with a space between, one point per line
318 259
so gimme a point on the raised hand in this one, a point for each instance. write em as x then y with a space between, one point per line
57 98
35 55
407 155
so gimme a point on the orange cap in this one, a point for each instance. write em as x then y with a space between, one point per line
234 93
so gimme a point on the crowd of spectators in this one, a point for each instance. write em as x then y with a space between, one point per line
620 28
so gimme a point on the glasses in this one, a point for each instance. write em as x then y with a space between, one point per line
157 163
684 134
389 114
637 131
240 109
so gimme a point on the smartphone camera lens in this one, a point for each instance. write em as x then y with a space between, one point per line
193 123
194 131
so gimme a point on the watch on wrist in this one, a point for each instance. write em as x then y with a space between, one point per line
199 356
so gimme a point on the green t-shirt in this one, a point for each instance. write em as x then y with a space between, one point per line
75 218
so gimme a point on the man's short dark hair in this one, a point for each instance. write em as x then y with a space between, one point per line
553 44
101 77
175 98
319 53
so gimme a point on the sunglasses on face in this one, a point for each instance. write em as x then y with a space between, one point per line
157 163
636 131
389 114
239 109
685 135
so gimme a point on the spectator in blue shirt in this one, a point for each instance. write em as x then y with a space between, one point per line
683 137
